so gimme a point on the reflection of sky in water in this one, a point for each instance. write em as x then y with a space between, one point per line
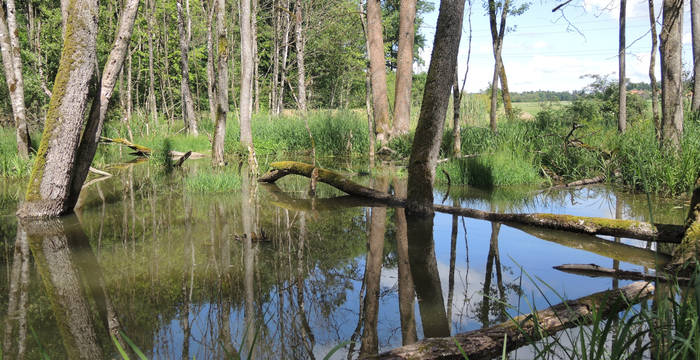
517 249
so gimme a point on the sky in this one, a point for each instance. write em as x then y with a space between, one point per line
551 51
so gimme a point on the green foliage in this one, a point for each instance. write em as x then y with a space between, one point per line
214 181
503 168
11 164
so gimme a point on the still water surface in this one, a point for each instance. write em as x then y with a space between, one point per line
269 269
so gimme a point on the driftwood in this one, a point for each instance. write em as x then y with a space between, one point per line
522 330
581 224
593 270
182 159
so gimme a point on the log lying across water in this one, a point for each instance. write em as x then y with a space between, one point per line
488 343
580 224
593 270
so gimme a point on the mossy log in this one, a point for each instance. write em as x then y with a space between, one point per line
488 343
580 224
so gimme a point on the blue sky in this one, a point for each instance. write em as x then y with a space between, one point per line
547 52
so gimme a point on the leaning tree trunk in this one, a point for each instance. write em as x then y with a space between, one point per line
246 102
49 185
9 44
188 116
426 144
622 104
652 73
671 74
100 104
300 56
380 101
222 86
404 68
695 29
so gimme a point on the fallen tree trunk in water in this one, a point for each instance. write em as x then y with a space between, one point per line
522 330
580 224
144 151
593 270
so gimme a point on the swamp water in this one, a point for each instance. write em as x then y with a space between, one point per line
267 270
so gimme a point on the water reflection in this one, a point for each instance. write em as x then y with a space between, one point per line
271 272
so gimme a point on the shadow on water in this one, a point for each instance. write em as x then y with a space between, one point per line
275 273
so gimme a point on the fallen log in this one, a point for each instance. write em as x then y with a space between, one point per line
182 159
593 270
144 151
580 224
524 329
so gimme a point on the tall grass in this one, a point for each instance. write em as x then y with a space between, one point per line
11 164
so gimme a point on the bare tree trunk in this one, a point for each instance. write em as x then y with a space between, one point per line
426 145
493 116
671 74
276 18
49 185
695 29
377 69
652 73
9 45
246 82
456 136
211 81
368 92
188 115
407 294
404 68
256 57
285 53
497 34
622 105
505 92
222 86
300 45
153 107
100 104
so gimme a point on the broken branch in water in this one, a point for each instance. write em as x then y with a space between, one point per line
524 329
580 224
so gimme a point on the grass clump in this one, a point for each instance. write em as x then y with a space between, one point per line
502 168
213 181
11 164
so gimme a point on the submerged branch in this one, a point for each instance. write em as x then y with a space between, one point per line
580 224
522 330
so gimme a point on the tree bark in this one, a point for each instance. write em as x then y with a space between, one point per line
287 25
426 145
404 68
300 45
456 104
505 92
685 256
9 46
152 106
256 56
217 157
497 34
49 185
521 330
246 102
671 74
695 30
211 56
622 101
100 103
652 73
377 69
188 115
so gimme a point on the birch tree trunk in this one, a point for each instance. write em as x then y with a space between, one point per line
222 86
300 44
246 102
622 105
695 30
652 73
100 104
426 145
380 101
671 74
12 62
188 116
404 68
49 185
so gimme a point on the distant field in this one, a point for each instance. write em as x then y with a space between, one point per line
534 107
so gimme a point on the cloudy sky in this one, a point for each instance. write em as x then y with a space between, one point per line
549 51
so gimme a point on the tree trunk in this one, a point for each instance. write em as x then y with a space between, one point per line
222 86
521 330
377 69
407 295
9 45
622 105
685 256
456 103
287 24
404 68
100 104
671 74
246 102
275 55
497 34
188 115
426 145
152 106
49 185
211 55
652 73
256 57
505 92
695 29
300 45
493 110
